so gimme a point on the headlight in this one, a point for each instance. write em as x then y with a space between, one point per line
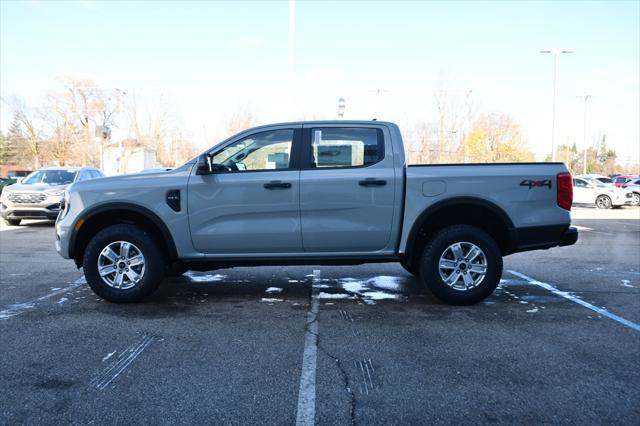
55 192
64 205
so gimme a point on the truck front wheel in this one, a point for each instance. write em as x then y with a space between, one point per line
461 265
411 267
122 264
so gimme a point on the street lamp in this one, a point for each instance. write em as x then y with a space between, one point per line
556 53
584 134
120 147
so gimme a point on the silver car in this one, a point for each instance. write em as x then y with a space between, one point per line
38 195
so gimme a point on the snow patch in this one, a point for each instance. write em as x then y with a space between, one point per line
324 295
532 310
205 278
270 300
627 283
273 290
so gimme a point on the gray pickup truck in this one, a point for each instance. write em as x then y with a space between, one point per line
316 193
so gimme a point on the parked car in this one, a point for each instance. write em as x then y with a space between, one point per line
591 191
600 178
633 185
336 192
620 180
5 182
38 195
18 174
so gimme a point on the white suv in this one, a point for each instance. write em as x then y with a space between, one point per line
39 194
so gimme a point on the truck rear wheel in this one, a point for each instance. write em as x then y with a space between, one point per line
461 265
122 264
13 222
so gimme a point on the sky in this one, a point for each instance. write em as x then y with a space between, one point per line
210 59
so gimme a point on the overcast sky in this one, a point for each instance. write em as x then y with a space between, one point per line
213 58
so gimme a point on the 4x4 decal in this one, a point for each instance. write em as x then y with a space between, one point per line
536 183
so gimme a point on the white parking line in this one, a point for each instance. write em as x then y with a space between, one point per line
307 392
579 301
19 308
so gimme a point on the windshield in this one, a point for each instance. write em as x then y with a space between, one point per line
52 177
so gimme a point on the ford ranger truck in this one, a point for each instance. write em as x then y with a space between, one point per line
314 193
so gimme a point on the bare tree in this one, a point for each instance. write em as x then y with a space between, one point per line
33 143
496 138
241 120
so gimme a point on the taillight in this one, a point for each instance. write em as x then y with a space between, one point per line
564 185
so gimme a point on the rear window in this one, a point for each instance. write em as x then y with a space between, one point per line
346 147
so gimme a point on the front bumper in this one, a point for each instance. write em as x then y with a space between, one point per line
29 212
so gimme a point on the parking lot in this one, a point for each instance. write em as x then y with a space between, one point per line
557 342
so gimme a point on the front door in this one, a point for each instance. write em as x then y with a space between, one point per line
347 189
252 204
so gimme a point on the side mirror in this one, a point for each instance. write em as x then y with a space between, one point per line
203 167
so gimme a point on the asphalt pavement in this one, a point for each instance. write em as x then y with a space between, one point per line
558 342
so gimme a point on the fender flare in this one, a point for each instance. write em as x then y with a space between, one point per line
136 208
434 208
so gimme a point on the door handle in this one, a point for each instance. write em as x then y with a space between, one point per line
275 184
372 182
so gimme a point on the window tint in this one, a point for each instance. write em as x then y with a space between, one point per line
52 177
579 183
95 174
84 175
345 147
261 151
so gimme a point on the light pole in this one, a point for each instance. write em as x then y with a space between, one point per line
584 134
556 54
120 147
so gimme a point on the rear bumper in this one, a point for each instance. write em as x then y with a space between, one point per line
542 237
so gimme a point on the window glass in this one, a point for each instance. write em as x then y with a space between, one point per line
95 174
261 151
84 175
579 183
52 177
345 147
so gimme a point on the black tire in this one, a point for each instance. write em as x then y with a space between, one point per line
410 267
176 269
440 243
603 202
154 264
13 222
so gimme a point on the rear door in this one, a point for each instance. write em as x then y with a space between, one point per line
347 189
582 193
253 205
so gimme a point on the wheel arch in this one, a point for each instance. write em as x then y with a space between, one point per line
461 210
101 216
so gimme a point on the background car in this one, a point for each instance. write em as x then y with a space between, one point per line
592 191
600 178
633 185
38 195
620 180
18 174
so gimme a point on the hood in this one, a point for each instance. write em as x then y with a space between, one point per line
34 187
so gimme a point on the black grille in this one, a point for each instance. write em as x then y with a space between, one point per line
26 197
